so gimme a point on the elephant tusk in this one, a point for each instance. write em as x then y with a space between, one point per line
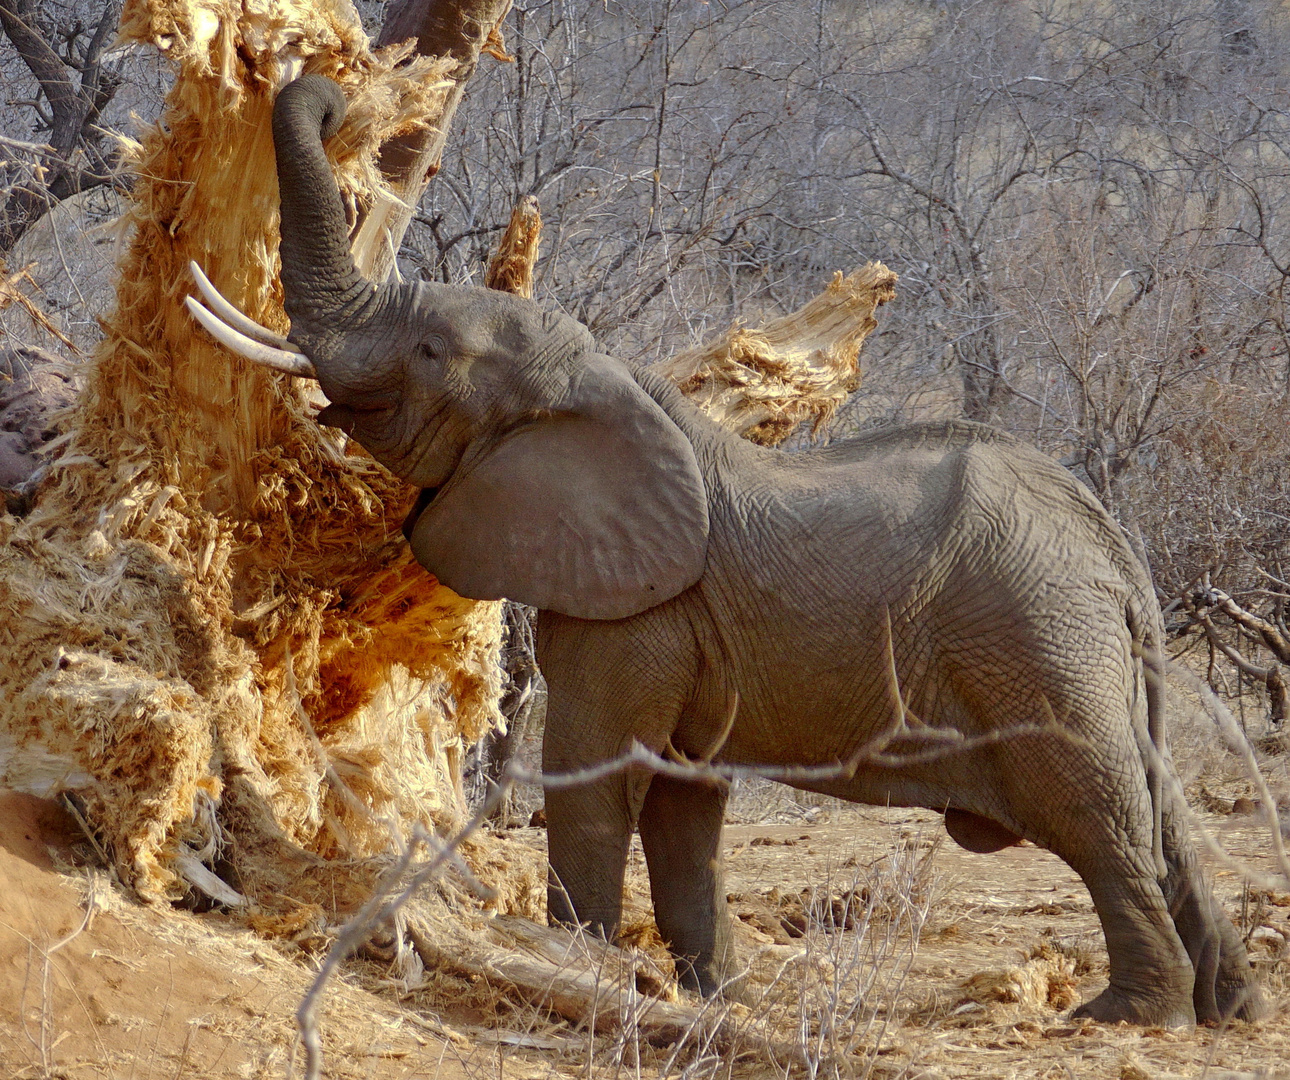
293 363
230 316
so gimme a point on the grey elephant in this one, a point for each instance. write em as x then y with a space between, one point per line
679 569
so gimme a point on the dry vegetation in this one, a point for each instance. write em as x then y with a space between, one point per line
257 701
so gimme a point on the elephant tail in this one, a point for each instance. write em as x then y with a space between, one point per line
1146 626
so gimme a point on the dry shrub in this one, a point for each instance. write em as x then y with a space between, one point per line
879 893
841 991
1217 496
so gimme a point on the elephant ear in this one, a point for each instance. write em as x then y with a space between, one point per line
596 509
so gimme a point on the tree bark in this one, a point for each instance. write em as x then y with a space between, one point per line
73 110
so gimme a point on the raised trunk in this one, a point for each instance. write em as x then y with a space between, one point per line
323 290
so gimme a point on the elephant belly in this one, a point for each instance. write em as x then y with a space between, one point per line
929 719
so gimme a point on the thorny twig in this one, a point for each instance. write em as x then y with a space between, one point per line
47 953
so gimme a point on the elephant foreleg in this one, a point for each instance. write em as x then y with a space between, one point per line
680 827
589 829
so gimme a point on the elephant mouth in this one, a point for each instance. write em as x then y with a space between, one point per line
346 417
418 508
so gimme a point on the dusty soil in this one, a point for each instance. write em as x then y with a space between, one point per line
967 1007
93 985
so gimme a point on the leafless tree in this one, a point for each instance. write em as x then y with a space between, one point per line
65 53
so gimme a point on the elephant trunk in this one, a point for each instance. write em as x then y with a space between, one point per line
324 292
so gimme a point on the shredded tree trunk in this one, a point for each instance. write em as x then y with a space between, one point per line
211 620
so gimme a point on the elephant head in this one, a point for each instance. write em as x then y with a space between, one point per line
550 477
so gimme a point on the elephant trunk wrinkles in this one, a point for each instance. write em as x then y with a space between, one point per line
322 286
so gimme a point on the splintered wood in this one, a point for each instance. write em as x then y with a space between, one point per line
765 383
570 973
212 628
14 289
511 269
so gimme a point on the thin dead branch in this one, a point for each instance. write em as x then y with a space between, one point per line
1208 599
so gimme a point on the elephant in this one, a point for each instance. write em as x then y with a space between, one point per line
939 591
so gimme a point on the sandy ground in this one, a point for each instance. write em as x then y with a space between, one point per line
92 985
991 914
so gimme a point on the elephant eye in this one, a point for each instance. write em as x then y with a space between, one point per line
434 347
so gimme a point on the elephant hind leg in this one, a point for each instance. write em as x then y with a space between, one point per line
680 828
1224 981
1092 809
1151 976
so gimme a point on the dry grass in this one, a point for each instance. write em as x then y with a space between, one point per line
821 1005
873 949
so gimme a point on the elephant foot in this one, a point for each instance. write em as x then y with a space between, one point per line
1112 1005
1234 999
712 984
1235 993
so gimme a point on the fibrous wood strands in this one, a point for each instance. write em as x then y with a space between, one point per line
766 382
210 618
511 269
